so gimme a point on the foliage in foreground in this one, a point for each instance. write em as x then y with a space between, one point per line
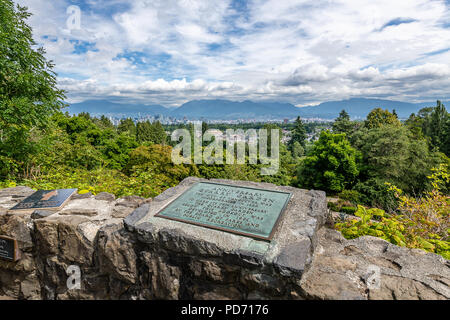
149 184
421 223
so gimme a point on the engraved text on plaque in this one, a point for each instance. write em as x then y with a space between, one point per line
247 211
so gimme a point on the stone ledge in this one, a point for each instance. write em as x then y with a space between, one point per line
405 274
289 251
143 257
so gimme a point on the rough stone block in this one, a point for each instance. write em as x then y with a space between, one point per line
39 214
79 212
105 196
289 251
116 253
372 268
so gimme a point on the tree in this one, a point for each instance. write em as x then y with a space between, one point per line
117 150
394 113
104 122
143 131
297 150
28 91
422 223
298 134
392 154
127 125
269 127
332 164
379 117
436 126
432 123
415 123
156 160
445 143
158 133
150 132
342 124
204 127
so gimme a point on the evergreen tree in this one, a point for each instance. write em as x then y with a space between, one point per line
414 124
342 124
105 123
204 127
432 122
150 132
445 142
269 127
298 134
394 113
158 134
435 129
127 125
297 150
144 131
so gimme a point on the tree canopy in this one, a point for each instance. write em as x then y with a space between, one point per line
343 124
332 164
379 117
28 91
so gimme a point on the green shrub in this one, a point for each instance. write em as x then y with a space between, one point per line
375 193
349 210
422 223
333 206
350 195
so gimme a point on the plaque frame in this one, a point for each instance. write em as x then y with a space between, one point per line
242 233
16 252
34 205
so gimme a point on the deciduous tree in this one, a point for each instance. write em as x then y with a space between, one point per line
331 166
379 117
28 90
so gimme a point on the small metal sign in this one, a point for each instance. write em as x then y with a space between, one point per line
9 249
246 211
45 199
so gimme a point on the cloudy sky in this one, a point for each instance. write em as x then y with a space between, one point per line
303 52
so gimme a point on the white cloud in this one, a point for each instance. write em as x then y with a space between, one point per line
297 51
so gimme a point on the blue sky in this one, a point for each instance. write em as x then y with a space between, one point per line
303 52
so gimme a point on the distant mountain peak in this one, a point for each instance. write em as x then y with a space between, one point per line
220 109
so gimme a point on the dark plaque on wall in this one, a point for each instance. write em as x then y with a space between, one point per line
44 199
246 211
8 249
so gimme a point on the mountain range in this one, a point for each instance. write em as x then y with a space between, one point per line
234 110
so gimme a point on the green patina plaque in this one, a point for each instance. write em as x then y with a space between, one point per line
246 211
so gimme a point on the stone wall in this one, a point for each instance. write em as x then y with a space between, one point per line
124 252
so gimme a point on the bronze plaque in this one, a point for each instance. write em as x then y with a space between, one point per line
45 199
246 211
9 249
